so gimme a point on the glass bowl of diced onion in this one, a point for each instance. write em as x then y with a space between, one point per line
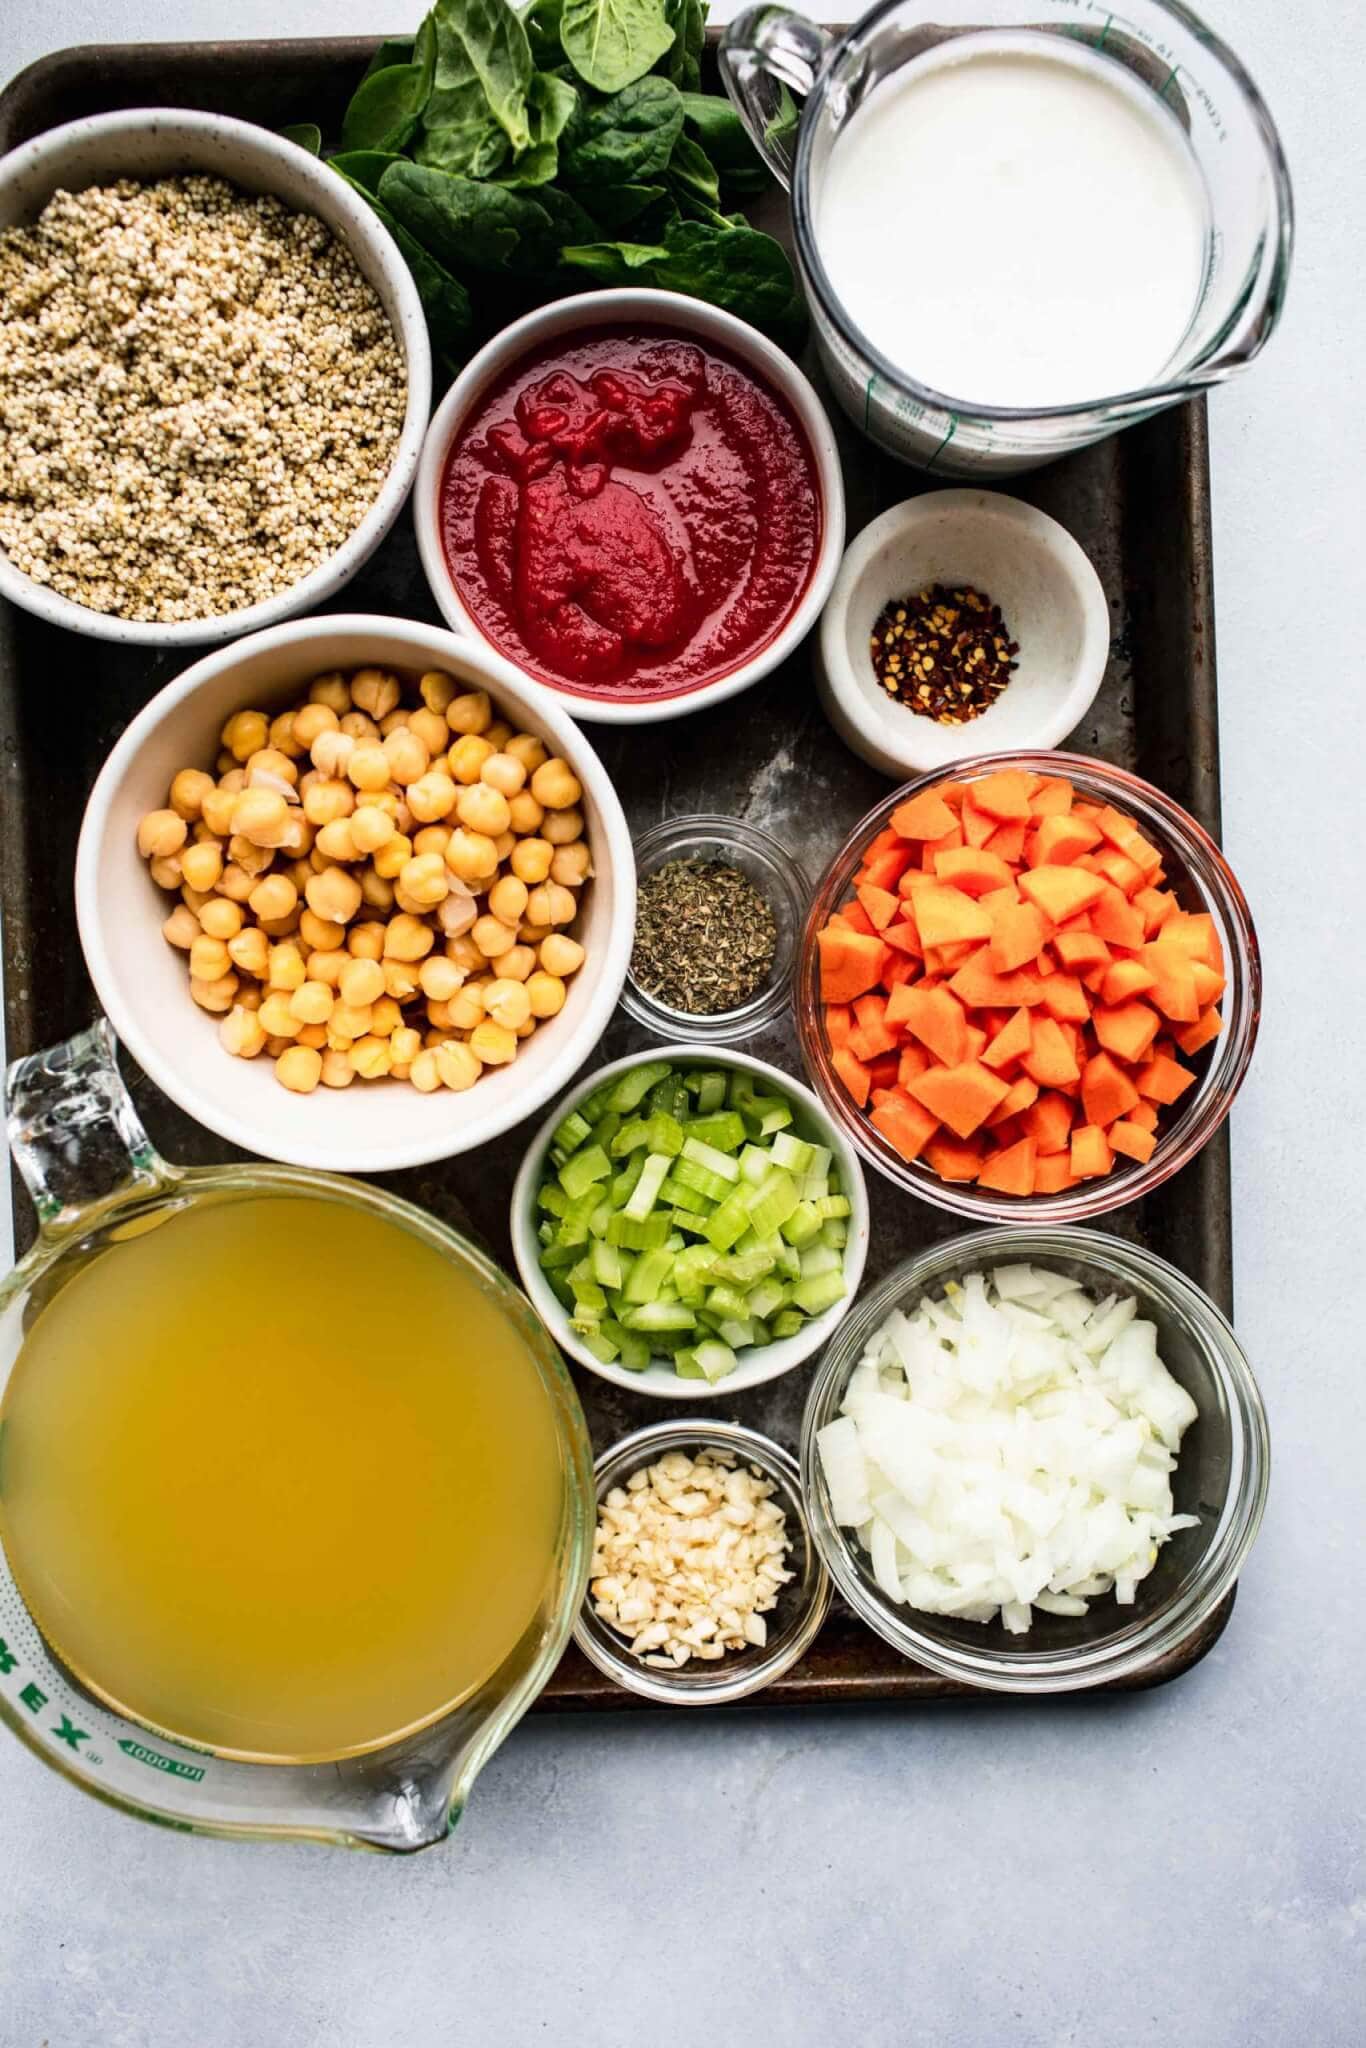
1127 1628
788 1628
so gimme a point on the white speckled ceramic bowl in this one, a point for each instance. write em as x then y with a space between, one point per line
161 142
1050 597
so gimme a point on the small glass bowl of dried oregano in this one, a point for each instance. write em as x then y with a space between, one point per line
719 910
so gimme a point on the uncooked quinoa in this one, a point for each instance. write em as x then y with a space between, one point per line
200 396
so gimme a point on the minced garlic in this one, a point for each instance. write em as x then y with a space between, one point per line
689 1557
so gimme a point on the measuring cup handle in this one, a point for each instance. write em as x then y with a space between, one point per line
767 55
75 1135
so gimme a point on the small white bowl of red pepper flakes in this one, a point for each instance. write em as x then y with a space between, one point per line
960 622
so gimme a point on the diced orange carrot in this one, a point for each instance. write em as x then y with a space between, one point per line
1022 1094
1053 797
1064 999
977 1040
1062 839
1145 1115
978 826
1003 794
934 1016
1173 990
912 1063
1163 1079
1081 949
882 907
1053 1173
885 867
853 1073
1143 853
962 1096
1119 869
1106 1091
851 963
978 985
1017 935
1007 841
857 918
904 936
931 850
1125 978
1115 918
1193 931
904 967
1132 1142
906 1124
871 1012
1116 826
1209 986
1011 1042
925 816
1050 1060
1049 1121
1126 1029
1192 1038
1155 906
972 869
945 916
1060 892
1011 1172
839 1022
1091 1154
954 1158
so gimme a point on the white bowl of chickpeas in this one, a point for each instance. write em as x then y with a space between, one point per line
356 894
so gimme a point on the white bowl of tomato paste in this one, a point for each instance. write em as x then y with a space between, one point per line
636 499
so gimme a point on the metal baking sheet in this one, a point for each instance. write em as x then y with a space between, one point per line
1139 506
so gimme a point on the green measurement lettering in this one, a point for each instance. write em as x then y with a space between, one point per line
33 1698
157 1762
8 1660
69 1733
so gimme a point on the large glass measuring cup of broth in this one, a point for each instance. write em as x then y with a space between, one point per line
1021 224
296 1494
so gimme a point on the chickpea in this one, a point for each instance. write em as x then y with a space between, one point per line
471 712
215 996
188 791
236 883
268 767
274 897
360 982
423 1073
241 1033
533 935
328 799
525 815
572 865
326 968
424 880
281 736
436 689
378 893
492 936
393 856
562 828
334 895
516 964
530 860
312 1002
407 938
210 959
456 913
375 691
223 766
431 728
245 853
385 1017
467 757
250 999
392 721
404 1046
275 1046
318 934
298 836
507 1002
285 967
552 904
331 752
221 918
431 797
432 839
507 899
216 809
371 1058
361 727
498 734
561 955
277 928
258 818
331 690
245 733
526 748
394 807
368 767
465 954
202 864
439 977
471 856
545 993
400 980
439 1015
366 941
459 1066
493 1044
300 1069
481 809
337 1070
250 952
314 1035
161 834
336 842
371 828
181 928
408 758
348 1021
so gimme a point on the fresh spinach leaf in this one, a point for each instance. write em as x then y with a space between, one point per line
541 20
734 267
612 43
445 301
388 103
469 224
690 176
618 206
477 113
725 138
364 167
306 134
552 104
626 139
391 51
610 263
682 63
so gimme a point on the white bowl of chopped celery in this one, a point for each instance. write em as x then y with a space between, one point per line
690 1218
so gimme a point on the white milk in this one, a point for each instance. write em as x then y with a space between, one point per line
1015 222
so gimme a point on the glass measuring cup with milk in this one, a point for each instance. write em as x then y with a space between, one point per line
1020 226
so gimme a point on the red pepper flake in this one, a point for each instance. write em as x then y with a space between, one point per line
946 654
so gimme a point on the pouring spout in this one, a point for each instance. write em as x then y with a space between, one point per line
75 1135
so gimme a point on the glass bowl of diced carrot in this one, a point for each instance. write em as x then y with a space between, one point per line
1029 989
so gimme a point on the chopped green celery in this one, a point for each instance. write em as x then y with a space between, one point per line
693 1266
666 1133
755 1165
720 1163
582 1169
562 1291
821 1156
716 1359
666 1342
645 1193
631 1136
686 1366
589 1298
836 1233
609 1268
766 1114
634 1349
771 1204
787 1323
625 1181
683 1220
568 1135
684 1197
767 1298
638 1234
545 1231
709 1087
740 1088
725 1130
674 1242
597 1104
727 1223
831 1207
726 1301
670 1097
818 1293
737 1331
790 1262
634 1085
690 1173
575 1222
793 1153
742 1269
820 1258
558 1257
660 1316
762 1334
605 1128
551 1198
600 1344
648 1275
803 1226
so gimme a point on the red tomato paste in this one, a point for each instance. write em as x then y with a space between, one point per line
630 513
